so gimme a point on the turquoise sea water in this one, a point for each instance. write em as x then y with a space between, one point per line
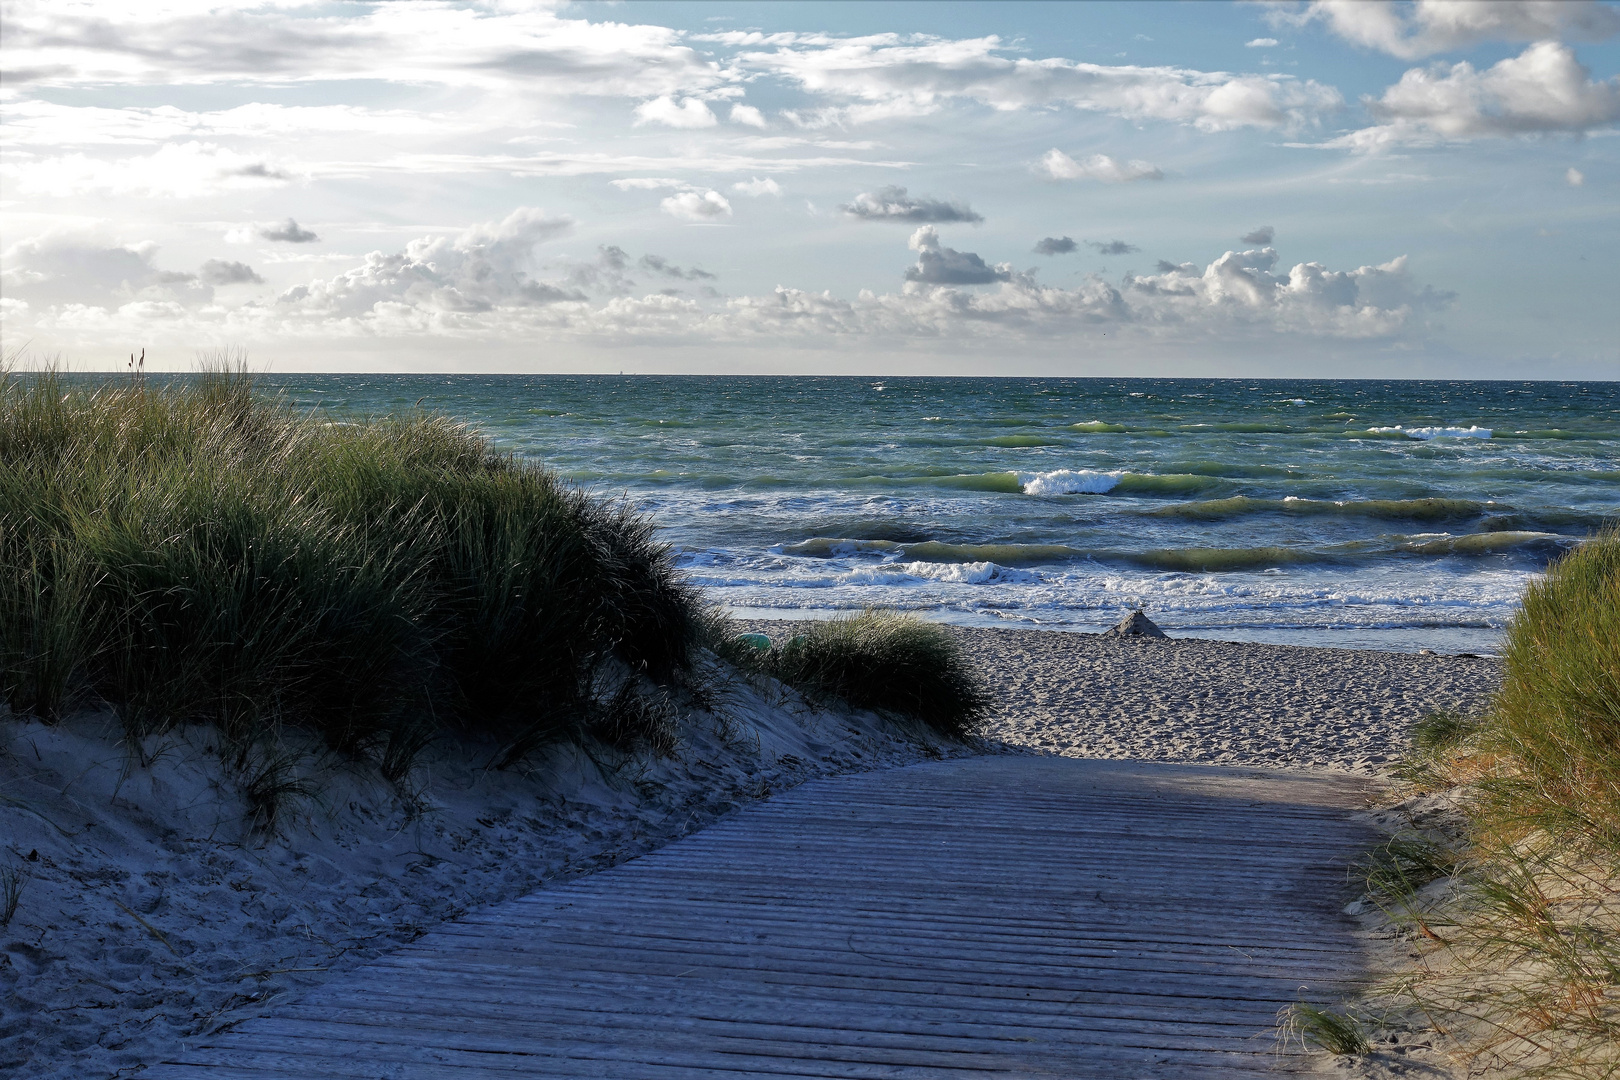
1371 514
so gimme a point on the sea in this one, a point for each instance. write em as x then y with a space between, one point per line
1355 514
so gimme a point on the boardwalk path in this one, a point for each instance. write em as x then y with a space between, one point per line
1002 916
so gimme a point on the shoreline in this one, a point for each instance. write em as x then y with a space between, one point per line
1212 702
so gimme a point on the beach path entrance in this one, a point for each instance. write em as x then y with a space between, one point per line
1008 916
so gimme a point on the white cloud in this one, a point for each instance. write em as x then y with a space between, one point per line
1431 26
493 46
647 183
697 206
939 265
893 204
77 267
890 76
1543 89
44 123
689 113
277 232
757 186
1574 177
488 266
485 286
1261 43
1060 166
747 114
176 170
228 272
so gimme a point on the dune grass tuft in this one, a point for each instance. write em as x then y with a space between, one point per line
1525 977
197 551
1339 1033
880 660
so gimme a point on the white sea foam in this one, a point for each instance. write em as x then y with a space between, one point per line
1474 432
1069 482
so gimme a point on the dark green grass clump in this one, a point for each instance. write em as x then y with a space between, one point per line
879 660
1556 722
198 552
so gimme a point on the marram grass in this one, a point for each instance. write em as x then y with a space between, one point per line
1524 969
199 552
881 660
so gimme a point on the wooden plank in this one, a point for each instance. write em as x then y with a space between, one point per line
991 917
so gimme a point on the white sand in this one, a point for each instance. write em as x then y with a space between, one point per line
149 914
1085 695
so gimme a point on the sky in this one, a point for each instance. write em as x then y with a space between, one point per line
1316 189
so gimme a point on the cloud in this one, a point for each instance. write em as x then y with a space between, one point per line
1112 247
648 183
223 272
757 187
1542 90
1261 43
1263 236
1060 166
747 114
893 204
657 264
509 47
697 206
1054 245
1432 26
938 265
886 76
690 113
1574 177
280 232
75 267
175 170
485 268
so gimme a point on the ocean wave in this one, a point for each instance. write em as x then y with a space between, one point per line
1004 554
1426 433
1429 509
1016 442
1069 482
827 547
1099 427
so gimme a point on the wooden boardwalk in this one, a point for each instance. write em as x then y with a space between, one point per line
991 917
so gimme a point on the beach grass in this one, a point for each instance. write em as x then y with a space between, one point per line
1524 965
885 661
197 551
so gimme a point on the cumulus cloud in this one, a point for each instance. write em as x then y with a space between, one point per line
1263 236
80 268
1060 166
226 272
175 170
1542 90
893 204
1261 43
889 75
689 113
697 206
1054 245
1112 247
487 267
938 265
279 232
757 186
1574 177
1432 26
747 114
657 264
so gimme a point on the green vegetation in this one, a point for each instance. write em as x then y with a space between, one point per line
880 660
200 553
1524 969
1336 1032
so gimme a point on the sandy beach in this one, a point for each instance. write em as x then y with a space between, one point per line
149 914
